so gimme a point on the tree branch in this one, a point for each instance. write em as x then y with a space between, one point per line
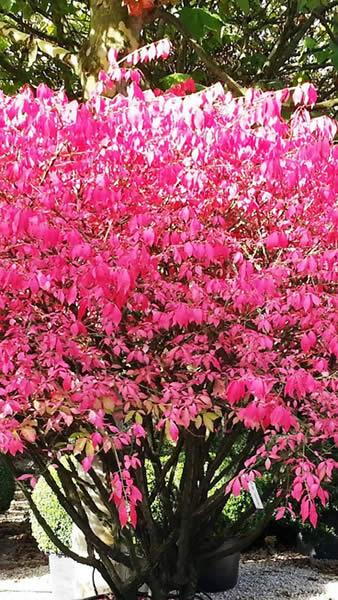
171 462
237 544
47 47
51 534
27 28
81 523
281 51
226 444
231 84
326 104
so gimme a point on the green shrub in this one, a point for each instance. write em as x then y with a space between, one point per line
238 513
7 485
53 513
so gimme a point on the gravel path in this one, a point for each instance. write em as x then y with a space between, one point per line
266 579
275 579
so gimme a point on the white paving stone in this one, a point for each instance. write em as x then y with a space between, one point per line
259 580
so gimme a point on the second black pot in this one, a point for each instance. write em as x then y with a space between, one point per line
219 575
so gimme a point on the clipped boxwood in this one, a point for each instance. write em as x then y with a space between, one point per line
56 517
7 485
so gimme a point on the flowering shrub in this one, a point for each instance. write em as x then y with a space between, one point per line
168 285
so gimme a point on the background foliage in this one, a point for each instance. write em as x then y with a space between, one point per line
7 485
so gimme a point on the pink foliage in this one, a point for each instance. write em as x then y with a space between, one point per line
170 256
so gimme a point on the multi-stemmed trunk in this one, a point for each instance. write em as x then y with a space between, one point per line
167 548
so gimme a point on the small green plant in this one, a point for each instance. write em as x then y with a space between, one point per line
7 485
56 517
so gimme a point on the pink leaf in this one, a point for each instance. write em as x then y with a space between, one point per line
313 516
173 431
305 509
236 488
277 239
235 391
87 463
123 515
280 513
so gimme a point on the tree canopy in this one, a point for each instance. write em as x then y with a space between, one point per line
240 42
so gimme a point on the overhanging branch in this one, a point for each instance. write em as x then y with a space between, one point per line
46 46
212 65
326 104
290 38
27 28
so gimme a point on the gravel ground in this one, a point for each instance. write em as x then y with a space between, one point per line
291 579
279 577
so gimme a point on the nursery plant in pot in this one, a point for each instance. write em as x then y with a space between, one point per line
168 268
322 543
218 573
238 518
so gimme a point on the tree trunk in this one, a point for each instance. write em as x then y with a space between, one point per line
110 27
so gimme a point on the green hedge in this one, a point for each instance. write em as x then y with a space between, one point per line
56 517
7 485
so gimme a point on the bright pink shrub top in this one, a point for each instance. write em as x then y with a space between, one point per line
172 256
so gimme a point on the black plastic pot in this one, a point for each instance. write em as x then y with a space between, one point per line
219 575
100 597
318 545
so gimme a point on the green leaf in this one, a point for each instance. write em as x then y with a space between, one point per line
244 5
208 423
173 79
323 56
198 421
138 418
6 5
309 43
199 21
20 6
224 8
308 5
